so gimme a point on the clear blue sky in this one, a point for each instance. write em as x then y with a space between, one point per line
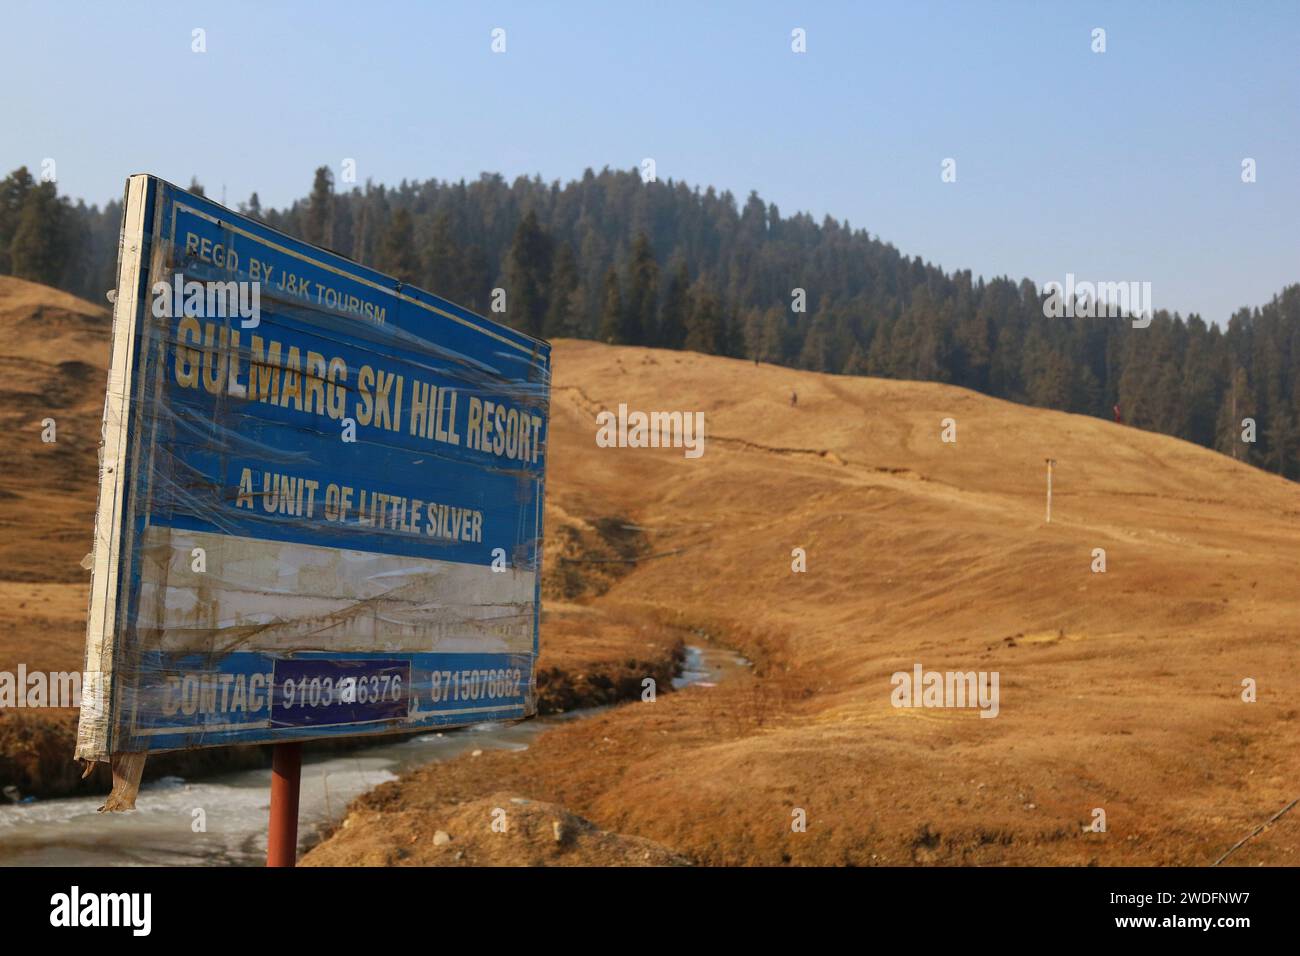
1115 166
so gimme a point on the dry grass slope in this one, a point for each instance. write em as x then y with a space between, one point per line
1119 690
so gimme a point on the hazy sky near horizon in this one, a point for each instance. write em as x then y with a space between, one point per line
1122 165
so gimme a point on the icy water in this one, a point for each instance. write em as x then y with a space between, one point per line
164 829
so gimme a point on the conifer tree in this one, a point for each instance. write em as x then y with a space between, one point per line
14 189
40 246
397 249
319 225
706 325
444 268
528 274
564 311
676 307
611 320
477 279
640 305
252 208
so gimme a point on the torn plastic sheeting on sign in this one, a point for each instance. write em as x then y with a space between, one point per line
321 519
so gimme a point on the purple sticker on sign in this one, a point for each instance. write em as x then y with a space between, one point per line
319 693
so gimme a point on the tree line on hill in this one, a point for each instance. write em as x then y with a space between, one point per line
615 258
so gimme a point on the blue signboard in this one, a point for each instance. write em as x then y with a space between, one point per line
320 505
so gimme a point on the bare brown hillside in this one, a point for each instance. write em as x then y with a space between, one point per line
52 366
1119 690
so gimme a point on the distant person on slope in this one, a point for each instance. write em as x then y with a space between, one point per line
794 398
1119 419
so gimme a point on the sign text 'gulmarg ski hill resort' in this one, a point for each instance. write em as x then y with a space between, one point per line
320 496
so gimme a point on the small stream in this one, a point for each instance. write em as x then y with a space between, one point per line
164 829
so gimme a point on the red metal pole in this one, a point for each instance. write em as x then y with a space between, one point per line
282 831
